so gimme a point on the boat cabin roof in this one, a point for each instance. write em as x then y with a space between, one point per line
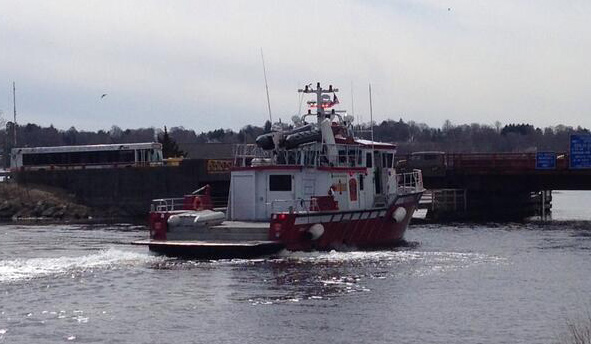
374 144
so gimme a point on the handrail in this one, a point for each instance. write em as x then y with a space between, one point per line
409 182
294 205
167 204
172 204
311 154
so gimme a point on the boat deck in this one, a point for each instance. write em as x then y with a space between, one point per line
227 231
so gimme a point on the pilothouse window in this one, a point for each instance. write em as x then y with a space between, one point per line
388 160
280 182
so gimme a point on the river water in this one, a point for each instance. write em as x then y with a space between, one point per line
484 283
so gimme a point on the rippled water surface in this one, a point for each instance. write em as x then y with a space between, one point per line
491 283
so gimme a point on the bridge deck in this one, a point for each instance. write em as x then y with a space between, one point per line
502 171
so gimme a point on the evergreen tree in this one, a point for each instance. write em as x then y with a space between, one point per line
170 149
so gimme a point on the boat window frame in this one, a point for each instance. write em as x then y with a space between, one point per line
278 182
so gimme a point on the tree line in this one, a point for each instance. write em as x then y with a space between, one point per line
410 136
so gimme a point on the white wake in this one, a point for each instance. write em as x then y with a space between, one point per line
28 268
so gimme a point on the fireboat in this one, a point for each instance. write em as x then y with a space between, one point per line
314 187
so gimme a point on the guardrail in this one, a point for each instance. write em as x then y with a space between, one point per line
409 182
485 162
291 205
449 200
501 162
4 175
167 204
310 154
171 204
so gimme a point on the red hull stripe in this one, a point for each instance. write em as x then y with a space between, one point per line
340 216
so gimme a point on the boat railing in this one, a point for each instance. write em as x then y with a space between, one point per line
167 204
409 182
244 154
290 205
312 154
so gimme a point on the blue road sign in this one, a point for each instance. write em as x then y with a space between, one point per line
580 151
545 161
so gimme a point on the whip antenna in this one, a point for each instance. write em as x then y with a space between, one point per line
14 109
371 116
266 86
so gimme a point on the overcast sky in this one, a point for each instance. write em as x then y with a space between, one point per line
197 64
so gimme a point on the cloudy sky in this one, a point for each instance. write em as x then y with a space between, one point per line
197 64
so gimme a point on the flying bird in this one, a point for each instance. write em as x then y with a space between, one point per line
104 95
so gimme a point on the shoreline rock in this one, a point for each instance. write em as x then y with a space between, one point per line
20 203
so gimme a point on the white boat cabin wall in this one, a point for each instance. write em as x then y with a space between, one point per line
356 178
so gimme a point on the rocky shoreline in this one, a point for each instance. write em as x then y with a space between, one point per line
39 204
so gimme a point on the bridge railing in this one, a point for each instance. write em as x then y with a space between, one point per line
512 161
484 162
499 162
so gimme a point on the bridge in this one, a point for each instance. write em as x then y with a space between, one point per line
462 186
496 186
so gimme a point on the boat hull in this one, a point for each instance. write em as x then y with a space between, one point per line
340 230
295 231
212 249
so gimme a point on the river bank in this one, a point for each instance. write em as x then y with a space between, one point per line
42 204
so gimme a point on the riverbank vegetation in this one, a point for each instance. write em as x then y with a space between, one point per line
410 136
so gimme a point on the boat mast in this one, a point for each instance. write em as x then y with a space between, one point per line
319 91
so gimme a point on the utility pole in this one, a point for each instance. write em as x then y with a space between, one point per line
14 108
371 116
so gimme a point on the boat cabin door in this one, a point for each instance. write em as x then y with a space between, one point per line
280 192
382 166
378 168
